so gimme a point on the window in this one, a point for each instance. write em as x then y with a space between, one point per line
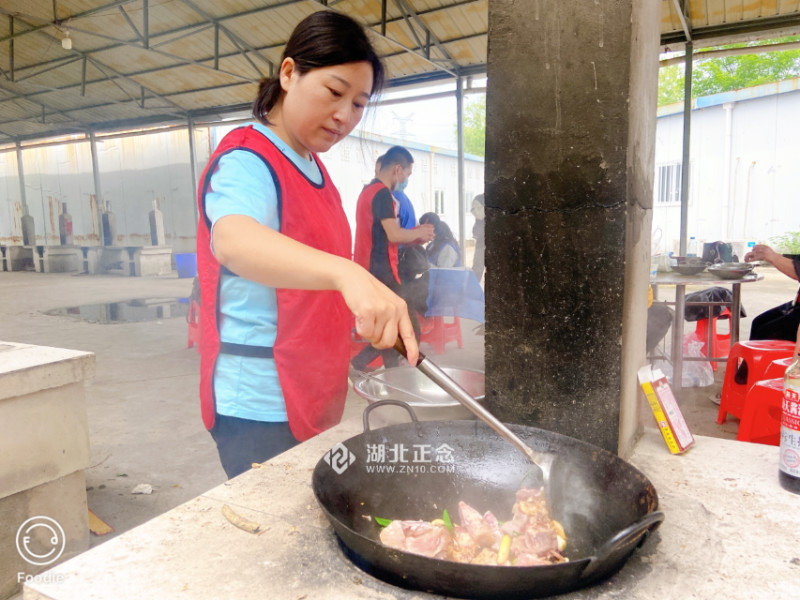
668 183
438 202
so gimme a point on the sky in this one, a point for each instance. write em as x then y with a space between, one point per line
431 122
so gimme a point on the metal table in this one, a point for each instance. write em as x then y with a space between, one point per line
704 279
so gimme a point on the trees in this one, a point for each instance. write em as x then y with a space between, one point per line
709 76
728 73
475 125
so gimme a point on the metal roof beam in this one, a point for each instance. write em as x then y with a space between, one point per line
237 41
133 26
153 48
11 48
104 68
196 28
722 52
61 62
55 20
395 42
45 108
681 7
735 28
408 15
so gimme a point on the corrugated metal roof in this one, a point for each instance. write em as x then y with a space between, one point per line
137 61
712 21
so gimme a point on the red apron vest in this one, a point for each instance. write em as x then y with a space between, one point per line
311 349
365 221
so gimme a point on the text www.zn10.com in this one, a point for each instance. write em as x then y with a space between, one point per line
411 469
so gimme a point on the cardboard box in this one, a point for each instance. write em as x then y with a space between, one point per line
665 409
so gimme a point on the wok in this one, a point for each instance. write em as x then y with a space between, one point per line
607 507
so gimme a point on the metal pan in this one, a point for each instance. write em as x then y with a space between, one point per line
607 507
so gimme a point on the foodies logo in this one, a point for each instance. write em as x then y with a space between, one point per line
40 540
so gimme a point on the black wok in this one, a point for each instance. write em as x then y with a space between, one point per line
607 507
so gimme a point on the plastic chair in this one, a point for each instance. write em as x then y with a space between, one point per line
777 368
193 320
720 342
441 332
761 416
758 355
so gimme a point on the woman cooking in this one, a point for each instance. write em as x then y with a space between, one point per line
278 286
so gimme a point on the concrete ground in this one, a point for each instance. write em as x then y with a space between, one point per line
143 407
142 404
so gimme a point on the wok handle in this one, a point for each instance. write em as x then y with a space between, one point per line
401 348
379 403
610 554
445 382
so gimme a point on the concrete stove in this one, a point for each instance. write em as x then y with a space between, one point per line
730 531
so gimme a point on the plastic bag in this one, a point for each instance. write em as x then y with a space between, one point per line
695 373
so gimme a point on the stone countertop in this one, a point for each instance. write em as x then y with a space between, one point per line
730 531
25 368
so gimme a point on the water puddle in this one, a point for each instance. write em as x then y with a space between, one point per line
129 311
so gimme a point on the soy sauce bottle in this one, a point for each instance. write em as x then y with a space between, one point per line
789 473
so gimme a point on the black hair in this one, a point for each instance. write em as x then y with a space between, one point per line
444 235
397 155
429 217
323 39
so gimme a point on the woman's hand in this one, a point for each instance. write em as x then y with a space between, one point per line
783 263
761 252
425 233
380 313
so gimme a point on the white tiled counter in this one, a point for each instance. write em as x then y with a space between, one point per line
730 532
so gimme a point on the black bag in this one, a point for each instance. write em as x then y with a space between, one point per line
411 262
712 294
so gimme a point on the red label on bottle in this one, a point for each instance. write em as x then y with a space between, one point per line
789 462
791 409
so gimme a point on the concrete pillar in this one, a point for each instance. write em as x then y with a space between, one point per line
102 220
570 132
44 445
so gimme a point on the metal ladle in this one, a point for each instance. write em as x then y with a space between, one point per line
444 381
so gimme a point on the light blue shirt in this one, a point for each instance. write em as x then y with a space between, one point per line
247 387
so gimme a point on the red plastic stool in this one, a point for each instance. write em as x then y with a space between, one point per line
720 342
758 354
441 333
193 320
777 368
761 416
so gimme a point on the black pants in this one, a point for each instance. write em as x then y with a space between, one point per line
241 442
779 323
